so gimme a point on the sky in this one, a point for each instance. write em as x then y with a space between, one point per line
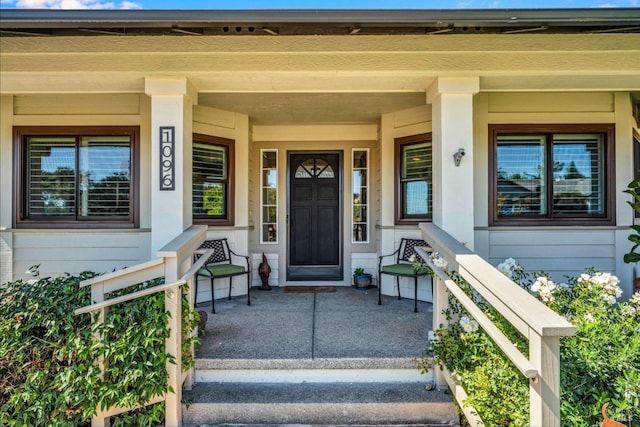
313 4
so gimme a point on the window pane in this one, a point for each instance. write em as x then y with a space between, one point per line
416 160
360 159
359 232
50 177
578 174
269 159
359 213
269 214
521 175
359 179
269 196
269 233
213 200
209 181
105 176
416 197
301 172
269 177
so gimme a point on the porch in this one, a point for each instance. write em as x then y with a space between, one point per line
315 358
347 323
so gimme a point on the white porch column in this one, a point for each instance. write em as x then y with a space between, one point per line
172 102
452 115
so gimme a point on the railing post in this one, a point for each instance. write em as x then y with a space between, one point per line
191 297
440 304
173 345
97 296
544 391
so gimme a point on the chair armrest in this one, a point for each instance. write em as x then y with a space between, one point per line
385 256
246 257
388 255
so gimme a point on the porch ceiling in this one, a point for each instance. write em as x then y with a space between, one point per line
305 108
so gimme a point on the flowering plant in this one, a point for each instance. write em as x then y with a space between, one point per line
435 258
600 364
418 263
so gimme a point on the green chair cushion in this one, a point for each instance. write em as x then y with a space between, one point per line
403 270
222 270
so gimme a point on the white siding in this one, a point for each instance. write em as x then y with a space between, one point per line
65 251
558 252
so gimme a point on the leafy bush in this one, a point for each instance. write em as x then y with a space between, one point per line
600 364
633 189
48 356
495 388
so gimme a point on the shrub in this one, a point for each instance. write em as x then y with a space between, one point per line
48 356
600 364
494 386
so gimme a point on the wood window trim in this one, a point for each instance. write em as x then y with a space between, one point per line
608 129
398 144
19 132
230 145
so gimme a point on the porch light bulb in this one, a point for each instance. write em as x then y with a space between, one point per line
415 159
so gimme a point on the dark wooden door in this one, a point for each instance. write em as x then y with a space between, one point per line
315 247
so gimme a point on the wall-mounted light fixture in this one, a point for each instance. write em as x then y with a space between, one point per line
457 156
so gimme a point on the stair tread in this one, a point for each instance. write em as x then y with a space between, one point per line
318 404
308 363
317 393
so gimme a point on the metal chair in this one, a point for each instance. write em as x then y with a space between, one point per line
404 268
219 265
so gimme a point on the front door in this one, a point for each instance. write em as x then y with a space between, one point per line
315 246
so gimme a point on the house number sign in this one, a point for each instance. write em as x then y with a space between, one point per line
167 158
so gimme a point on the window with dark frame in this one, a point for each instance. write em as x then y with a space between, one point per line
212 186
542 174
414 159
76 177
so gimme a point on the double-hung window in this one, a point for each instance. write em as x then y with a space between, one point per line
76 177
561 174
212 186
413 157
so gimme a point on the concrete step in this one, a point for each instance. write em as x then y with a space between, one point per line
371 403
309 370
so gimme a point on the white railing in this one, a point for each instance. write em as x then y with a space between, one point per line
175 264
535 321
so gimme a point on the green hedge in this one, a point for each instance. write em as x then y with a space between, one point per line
48 370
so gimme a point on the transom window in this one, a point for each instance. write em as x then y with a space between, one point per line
76 177
553 173
212 187
414 172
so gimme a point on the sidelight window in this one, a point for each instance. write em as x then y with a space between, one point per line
360 192
269 196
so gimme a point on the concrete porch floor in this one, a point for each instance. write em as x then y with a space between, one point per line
347 323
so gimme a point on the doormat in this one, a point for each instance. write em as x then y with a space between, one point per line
309 289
